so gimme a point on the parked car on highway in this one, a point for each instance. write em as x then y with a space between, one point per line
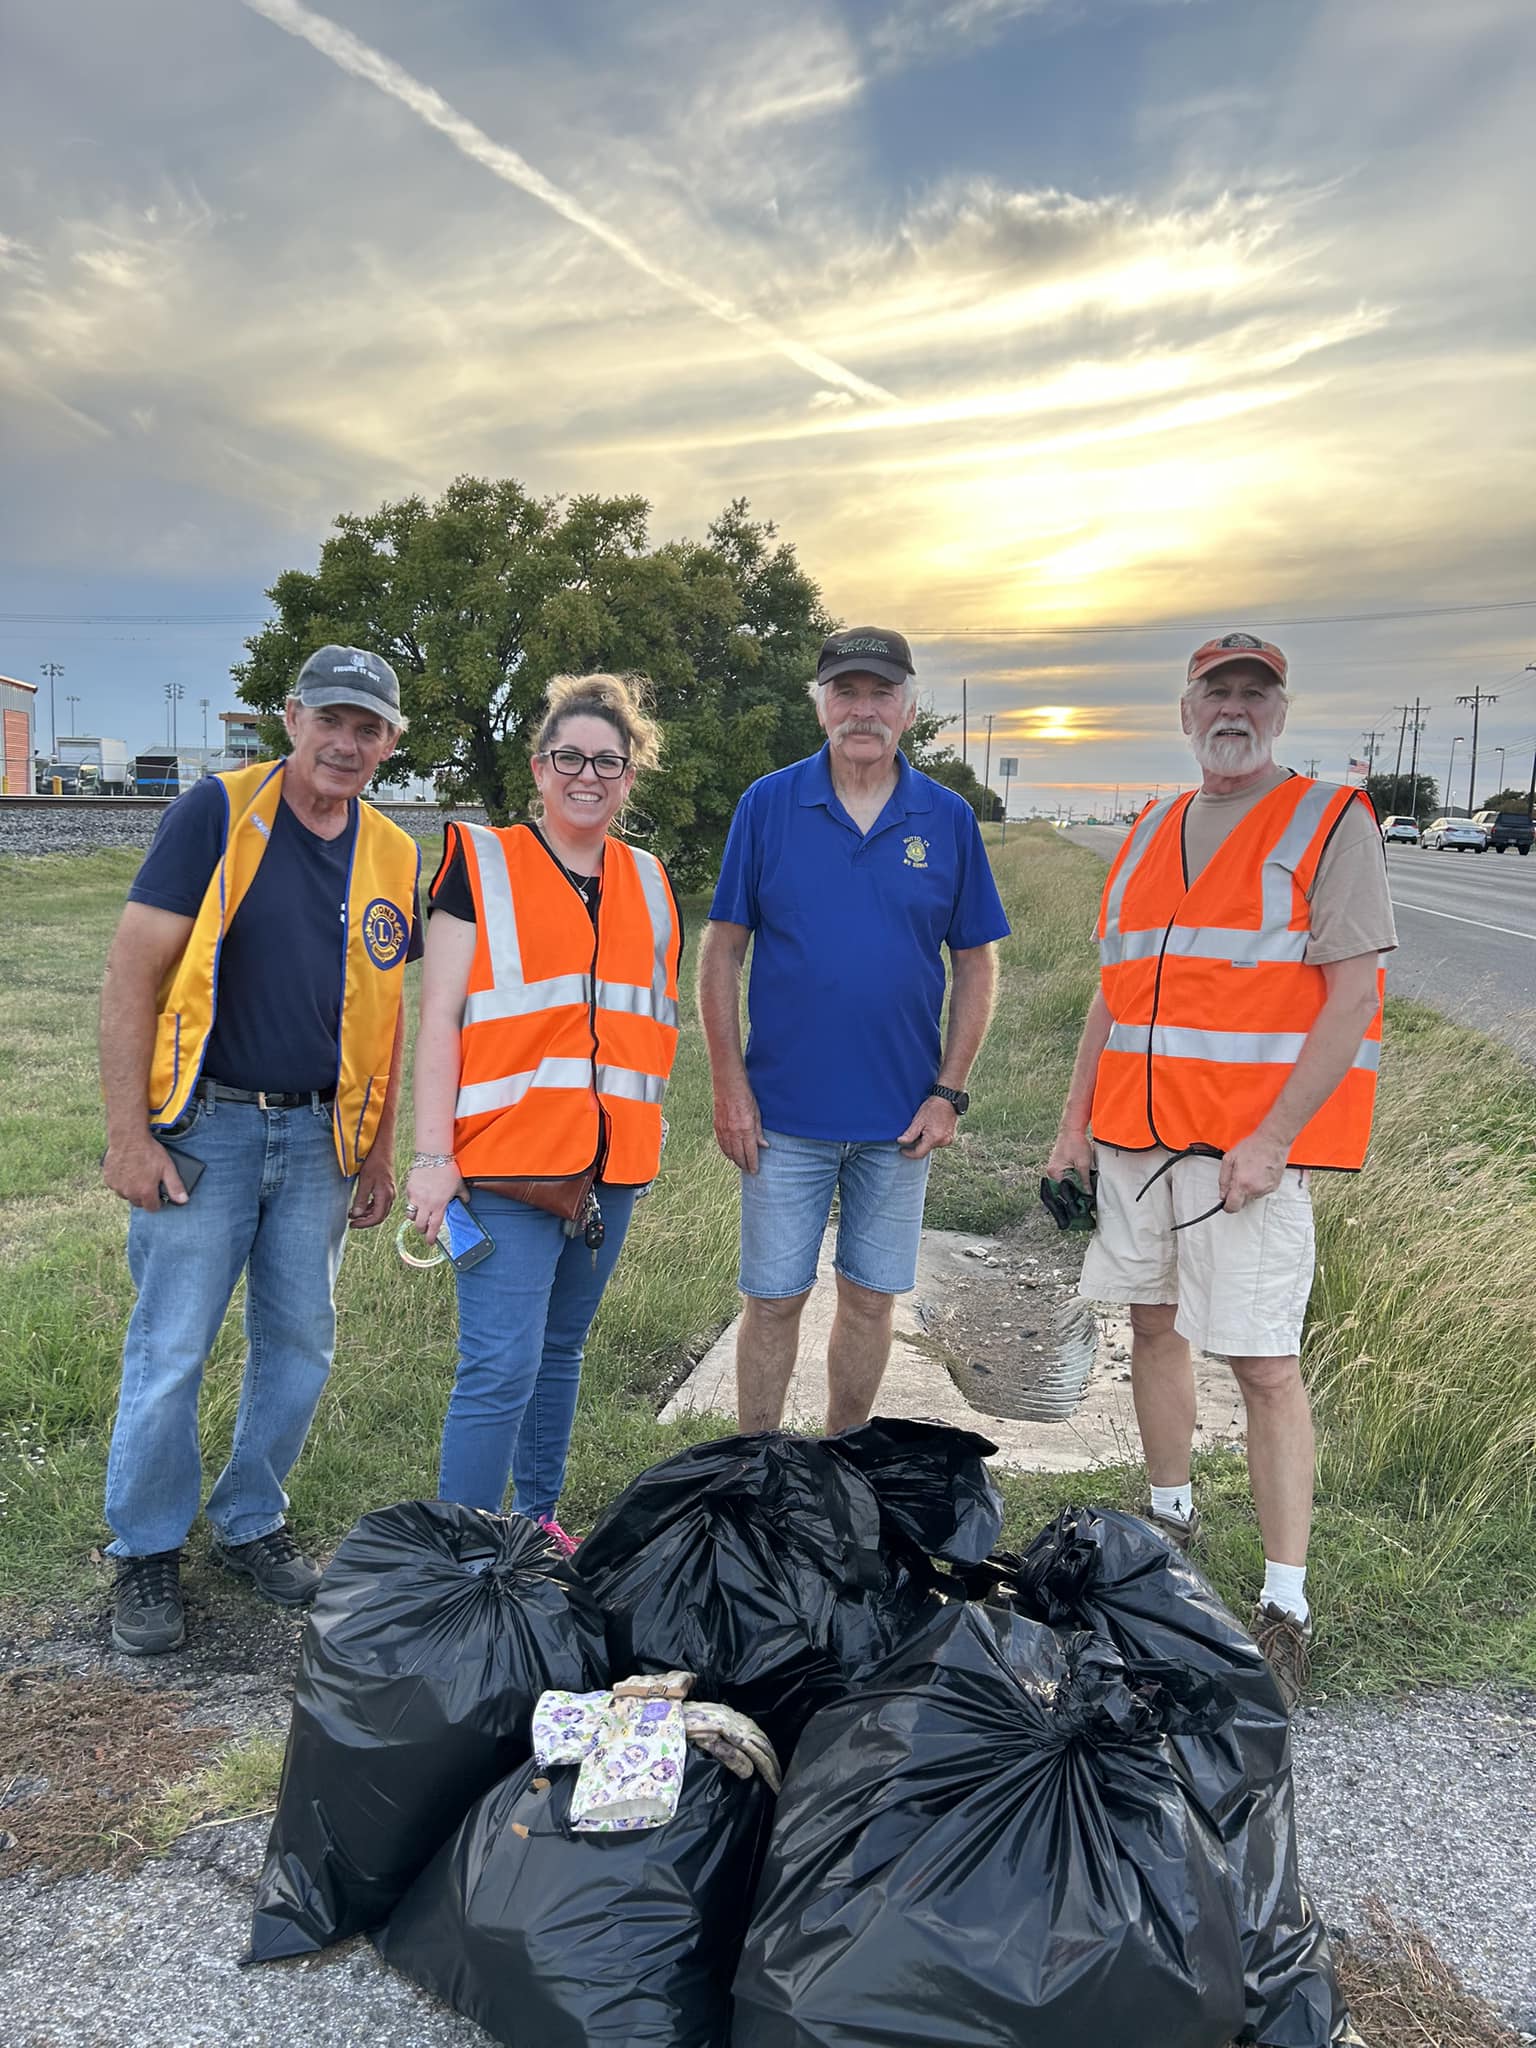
1458 835
1506 828
1403 831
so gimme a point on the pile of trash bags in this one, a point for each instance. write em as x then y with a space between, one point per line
1031 1799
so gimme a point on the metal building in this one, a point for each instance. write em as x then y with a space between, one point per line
17 701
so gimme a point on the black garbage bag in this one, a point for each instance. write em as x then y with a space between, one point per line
931 1483
768 1566
551 1938
434 1632
1114 1574
989 1847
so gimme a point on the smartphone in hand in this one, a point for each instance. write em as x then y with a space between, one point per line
190 1170
462 1236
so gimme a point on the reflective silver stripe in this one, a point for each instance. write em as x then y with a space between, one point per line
1287 854
630 1000
1205 942
1141 839
629 1083
658 902
524 998
1228 1048
480 1096
500 919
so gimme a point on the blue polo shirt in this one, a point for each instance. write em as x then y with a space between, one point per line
847 978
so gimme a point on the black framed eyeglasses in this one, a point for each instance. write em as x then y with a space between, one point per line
571 761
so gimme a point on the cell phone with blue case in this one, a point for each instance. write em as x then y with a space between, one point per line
463 1238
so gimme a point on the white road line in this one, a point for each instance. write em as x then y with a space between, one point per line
1401 903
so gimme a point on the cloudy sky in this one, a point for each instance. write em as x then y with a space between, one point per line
1056 332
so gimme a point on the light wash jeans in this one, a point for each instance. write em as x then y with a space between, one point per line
786 1203
524 1313
272 1203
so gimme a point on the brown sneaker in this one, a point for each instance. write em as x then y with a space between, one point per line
1180 1534
1286 1646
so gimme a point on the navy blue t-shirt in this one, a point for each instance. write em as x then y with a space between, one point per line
848 928
278 1001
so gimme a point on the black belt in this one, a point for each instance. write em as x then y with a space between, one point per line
265 1098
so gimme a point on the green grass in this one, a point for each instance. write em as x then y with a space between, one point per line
1420 1347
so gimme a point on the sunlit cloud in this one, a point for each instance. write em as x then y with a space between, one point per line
351 54
1229 352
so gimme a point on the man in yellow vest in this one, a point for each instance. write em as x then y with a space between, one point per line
1231 1050
251 1029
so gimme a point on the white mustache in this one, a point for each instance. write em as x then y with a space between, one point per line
850 727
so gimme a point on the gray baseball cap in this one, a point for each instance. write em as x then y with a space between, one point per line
867 650
350 675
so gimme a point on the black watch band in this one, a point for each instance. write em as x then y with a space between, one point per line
956 1097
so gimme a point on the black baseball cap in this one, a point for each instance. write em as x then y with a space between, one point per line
871 650
350 675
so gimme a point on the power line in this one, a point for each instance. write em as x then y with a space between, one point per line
1515 604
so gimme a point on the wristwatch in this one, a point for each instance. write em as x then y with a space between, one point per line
957 1098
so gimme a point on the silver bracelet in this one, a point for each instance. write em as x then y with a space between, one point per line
432 1159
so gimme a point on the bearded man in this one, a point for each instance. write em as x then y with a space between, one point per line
1230 1053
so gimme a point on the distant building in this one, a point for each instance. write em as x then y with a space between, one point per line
242 738
17 701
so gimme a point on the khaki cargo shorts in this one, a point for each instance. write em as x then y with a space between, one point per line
1241 1281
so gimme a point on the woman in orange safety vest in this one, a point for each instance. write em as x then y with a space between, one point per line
548 1029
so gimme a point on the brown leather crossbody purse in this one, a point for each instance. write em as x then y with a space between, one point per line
562 1194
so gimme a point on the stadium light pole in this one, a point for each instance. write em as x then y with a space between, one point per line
53 670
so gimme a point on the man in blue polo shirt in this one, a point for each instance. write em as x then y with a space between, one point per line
850 872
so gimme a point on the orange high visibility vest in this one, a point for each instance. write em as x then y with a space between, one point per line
568 1035
1208 983
380 907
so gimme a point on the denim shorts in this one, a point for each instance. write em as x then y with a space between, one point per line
786 1203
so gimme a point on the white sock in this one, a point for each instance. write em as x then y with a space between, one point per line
1174 1500
1285 1588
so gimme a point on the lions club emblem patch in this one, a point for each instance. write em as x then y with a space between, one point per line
915 854
384 933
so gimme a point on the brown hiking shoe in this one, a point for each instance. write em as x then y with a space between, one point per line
1179 1534
1286 1646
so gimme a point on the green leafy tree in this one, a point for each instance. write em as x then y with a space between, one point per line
947 767
1405 796
1507 800
479 599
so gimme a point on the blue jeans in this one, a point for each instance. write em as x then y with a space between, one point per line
272 1203
786 1203
524 1313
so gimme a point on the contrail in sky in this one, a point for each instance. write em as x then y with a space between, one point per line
346 50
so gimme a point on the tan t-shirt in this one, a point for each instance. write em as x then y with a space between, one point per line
1351 905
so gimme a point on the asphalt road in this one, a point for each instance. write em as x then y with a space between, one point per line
1466 928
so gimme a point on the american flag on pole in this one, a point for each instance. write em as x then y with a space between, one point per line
1358 767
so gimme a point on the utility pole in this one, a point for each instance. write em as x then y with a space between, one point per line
986 774
964 720
53 670
1455 743
1370 739
1413 768
203 701
1477 700
1312 769
1397 772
